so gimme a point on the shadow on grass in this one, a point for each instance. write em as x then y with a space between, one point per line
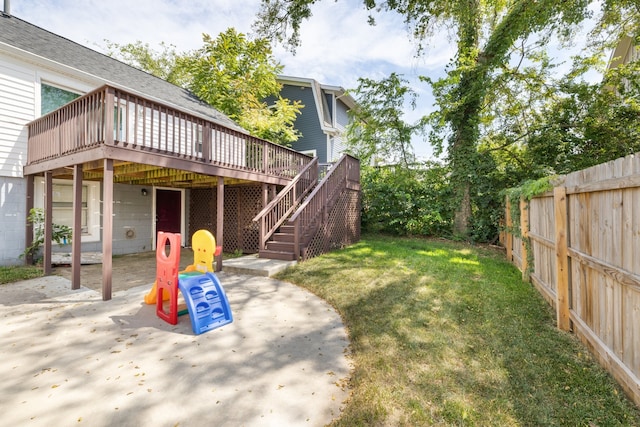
448 333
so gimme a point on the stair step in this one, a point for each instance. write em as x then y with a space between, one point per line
280 246
270 254
287 229
282 237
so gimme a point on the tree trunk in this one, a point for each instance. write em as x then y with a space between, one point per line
463 214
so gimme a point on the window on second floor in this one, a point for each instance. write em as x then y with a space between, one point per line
52 98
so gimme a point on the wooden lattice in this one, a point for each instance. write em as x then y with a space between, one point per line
341 229
241 205
231 201
250 207
202 210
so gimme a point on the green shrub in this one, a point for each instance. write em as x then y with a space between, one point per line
61 234
406 201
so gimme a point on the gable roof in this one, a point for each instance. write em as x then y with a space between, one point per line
339 91
26 37
319 90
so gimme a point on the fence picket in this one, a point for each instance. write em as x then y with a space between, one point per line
585 250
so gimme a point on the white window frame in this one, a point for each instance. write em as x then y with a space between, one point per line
312 153
93 205
61 82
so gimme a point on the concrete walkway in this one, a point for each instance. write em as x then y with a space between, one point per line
69 358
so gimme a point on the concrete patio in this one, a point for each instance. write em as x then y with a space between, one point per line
69 358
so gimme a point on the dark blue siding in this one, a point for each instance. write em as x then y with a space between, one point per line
307 123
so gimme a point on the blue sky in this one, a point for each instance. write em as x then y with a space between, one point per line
338 46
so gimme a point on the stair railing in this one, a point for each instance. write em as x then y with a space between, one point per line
315 209
278 210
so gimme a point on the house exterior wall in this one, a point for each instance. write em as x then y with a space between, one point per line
322 132
19 104
342 114
132 222
13 205
17 107
337 144
307 123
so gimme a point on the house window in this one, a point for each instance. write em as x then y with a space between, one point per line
63 206
62 203
52 98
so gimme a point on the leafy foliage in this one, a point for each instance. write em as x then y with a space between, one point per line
61 234
406 201
232 73
484 32
377 132
161 64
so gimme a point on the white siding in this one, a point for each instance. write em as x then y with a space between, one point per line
17 107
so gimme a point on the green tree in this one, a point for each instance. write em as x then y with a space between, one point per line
159 63
556 124
235 75
406 201
589 124
377 132
231 73
484 31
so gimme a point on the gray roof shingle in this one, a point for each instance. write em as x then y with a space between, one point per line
38 41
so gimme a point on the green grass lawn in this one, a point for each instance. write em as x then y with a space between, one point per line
19 272
448 334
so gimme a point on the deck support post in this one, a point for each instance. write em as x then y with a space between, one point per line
220 221
107 229
28 237
76 237
48 222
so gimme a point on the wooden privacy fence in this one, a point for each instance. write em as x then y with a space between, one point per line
580 247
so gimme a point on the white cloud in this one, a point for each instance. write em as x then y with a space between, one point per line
338 45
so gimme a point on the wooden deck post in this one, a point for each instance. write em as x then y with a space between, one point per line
524 231
109 123
107 229
562 259
220 221
76 237
28 237
48 222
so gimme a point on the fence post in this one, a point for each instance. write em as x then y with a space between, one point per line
524 232
562 260
508 237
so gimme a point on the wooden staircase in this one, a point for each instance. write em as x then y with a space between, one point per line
289 223
281 245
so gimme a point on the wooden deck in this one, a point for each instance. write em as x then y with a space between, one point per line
151 144
117 137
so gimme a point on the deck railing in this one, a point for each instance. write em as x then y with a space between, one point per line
115 117
315 209
288 199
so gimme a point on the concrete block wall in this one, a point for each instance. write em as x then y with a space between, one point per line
13 205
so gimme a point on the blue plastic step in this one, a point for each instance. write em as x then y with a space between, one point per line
207 302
